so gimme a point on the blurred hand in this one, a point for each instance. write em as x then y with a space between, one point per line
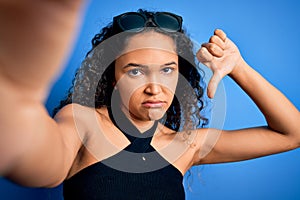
221 55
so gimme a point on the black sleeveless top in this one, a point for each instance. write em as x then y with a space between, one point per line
137 172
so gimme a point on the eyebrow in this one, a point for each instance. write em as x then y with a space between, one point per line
146 66
135 65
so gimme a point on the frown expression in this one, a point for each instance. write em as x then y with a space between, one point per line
146 75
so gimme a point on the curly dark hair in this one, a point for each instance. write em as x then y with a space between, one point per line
94 81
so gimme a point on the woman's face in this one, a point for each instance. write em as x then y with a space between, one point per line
147 75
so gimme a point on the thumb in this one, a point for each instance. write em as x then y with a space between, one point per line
213 84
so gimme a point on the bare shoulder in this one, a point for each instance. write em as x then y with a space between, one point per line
198 143
81 117
100 140
76 123
190 138
75 111
89 122
181 148
73 122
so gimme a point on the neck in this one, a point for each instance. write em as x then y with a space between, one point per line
141 125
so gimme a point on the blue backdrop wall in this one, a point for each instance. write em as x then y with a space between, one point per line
268 35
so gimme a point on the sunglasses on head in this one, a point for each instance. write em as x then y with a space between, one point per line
136 22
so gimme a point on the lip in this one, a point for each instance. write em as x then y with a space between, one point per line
153 104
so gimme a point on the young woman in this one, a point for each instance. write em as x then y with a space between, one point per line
131 126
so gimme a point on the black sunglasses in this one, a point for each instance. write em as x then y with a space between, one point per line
136 22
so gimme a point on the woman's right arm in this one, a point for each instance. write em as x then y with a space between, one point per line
35 39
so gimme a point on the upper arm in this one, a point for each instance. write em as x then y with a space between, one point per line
48 155
244 144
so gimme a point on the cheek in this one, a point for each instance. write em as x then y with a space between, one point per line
125 98
173 85
170 84
129 93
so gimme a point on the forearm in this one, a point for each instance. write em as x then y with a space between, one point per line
281 115
35 38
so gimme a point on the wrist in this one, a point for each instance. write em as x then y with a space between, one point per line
239 68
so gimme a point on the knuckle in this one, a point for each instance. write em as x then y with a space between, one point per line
202 51
213 39
203 55
212 47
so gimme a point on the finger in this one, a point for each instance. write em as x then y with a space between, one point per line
221 34
213 49
213 84
204 56
218 41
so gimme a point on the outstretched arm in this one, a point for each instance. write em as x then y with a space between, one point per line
35 38
283 132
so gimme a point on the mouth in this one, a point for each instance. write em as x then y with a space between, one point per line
154 104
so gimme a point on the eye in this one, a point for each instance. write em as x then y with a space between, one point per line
134 72
167 70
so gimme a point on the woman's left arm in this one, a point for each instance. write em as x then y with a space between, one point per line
283 132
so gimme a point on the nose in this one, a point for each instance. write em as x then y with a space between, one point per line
153 88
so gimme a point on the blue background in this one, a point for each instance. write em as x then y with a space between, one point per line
268 35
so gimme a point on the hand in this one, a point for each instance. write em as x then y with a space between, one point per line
221 55
41 50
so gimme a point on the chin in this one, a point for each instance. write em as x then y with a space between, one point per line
155 114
